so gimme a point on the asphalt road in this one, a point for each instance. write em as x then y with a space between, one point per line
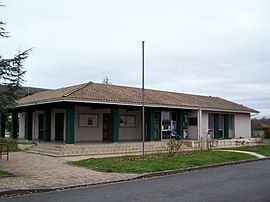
244 182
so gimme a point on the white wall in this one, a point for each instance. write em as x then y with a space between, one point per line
204 123
242 124
21 125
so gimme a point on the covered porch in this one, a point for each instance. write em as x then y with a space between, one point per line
73 122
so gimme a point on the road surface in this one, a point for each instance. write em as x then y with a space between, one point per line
244 182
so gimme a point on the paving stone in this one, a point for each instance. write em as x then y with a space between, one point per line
35 171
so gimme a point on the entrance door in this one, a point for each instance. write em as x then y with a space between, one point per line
40 126
106 127
59 127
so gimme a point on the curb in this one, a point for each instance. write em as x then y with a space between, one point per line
20 192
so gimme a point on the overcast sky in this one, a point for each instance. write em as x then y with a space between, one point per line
218 48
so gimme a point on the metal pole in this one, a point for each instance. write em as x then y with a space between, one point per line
143 98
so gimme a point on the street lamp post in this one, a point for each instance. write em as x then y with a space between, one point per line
143 131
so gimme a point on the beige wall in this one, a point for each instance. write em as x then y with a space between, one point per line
96 133
89 133
242 125
131 133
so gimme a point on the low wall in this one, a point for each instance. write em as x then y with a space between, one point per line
227 143
125 148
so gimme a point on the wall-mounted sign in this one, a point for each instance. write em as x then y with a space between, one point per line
127 121
88 120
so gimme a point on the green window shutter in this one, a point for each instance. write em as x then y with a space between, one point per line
150 124
226 126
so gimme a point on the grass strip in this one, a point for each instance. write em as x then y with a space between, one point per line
159 162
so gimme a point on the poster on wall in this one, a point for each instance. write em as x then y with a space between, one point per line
127 121
88 120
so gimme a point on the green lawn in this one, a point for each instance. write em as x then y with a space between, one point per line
263 150
159 162
13 146
4 174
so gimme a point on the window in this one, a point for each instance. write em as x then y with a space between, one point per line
221 121
168 124
166 115
211 122
221 125
127 121
193 121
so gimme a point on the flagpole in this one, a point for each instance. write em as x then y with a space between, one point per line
143 121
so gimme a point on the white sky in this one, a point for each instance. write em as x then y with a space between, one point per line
218 48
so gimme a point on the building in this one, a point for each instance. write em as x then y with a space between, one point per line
260 129
93 112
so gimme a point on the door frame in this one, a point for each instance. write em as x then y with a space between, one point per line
63 138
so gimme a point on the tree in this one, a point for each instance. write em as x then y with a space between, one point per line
11 74
106 80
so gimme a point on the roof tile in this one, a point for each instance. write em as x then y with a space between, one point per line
131 95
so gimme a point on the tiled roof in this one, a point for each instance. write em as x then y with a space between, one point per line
104 93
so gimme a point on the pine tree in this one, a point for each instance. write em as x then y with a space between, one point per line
11 74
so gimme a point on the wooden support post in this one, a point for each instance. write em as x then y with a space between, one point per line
28 124
14 125
70 122
114 124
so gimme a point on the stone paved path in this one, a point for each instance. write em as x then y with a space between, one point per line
38 171
247 152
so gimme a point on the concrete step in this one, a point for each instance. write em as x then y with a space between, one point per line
102 149
61 153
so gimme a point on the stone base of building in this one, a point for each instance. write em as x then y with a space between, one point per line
130 148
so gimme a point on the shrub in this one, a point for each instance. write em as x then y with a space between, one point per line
173 147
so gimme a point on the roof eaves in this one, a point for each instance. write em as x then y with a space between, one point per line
65 99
